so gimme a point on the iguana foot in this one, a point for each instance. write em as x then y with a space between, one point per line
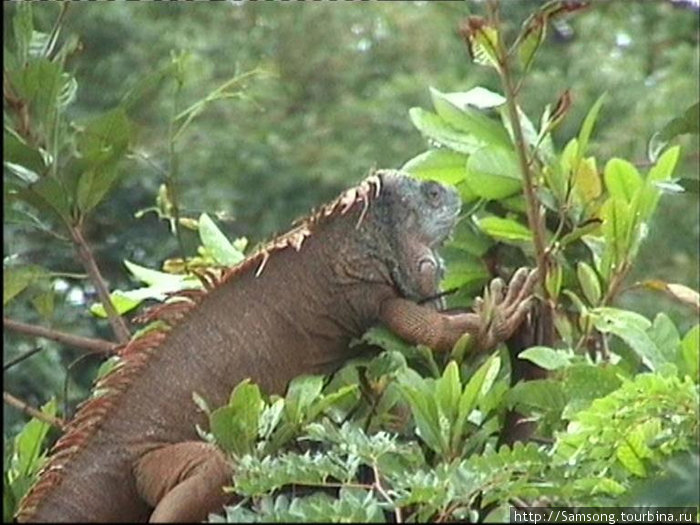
183 481
502 310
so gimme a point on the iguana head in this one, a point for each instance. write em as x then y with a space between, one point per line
416 217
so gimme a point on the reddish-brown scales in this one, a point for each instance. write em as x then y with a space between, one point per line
132 453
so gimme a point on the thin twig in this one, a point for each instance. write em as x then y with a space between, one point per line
86 343
534 211
69 370
20 358
115 320
385 495
33 412
533 208
615 284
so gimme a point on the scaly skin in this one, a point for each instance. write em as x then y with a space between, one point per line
369 257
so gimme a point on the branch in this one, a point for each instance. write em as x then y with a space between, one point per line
118 325
93 345
33 412
20 358
535 216
385 495
615 283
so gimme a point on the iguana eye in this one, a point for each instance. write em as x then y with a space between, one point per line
433 191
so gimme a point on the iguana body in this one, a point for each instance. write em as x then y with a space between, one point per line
133 453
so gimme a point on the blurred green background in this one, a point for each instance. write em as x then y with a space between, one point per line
334 103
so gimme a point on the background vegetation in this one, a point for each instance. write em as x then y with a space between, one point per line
302 101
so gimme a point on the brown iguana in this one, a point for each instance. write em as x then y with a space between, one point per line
133 454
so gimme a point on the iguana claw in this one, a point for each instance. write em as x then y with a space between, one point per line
503 309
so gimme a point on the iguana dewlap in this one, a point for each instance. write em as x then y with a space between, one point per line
133 454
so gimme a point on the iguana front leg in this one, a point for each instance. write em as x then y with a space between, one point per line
183 481
495 318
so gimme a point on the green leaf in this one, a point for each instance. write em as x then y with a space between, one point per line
435 128
474 393
584 382
665 336
447 391
506 230
622 179
339 397
477 97
17 151
47 194
617 225
107 366
44 304
465 271
530 39
587 128
457 110
68 91
688 122
560 173
105 138
589 283
29 443
660 172
302 392
160 285
156 278
123 301
467 237
538 395
24 174
493 173
690 353
478 385
235 426
552 282
386 340
39 83
629 459
631 328
577 233
216 243
623 317
421 399
93 186
270 418
23 28
441 165
587 184
17 278
545 357
482 40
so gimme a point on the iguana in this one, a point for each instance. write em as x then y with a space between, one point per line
132 453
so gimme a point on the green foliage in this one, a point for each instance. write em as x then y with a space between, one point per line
652 416
24 458
250 425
